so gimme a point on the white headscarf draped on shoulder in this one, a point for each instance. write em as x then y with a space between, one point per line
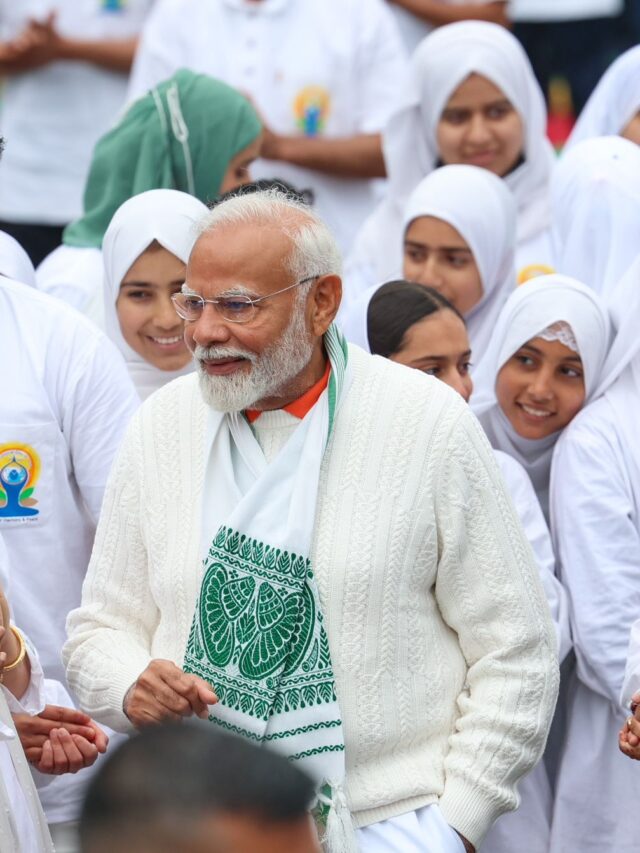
482 210
14 261
529 311
614 101
595 194
440 64
168 217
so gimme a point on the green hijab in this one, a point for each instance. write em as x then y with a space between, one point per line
182 135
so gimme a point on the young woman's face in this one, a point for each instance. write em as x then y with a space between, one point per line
631 131
480 127
147 318
439 345
540 388
238 171
436 255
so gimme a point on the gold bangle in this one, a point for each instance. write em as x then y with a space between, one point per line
22 652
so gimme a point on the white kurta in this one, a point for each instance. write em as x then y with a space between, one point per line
597 529
318 68
631 683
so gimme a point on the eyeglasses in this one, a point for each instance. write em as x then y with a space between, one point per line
234 309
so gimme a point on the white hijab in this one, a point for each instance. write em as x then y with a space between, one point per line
482 209
614 101
530 310
595 194
168 217
444 59
14 261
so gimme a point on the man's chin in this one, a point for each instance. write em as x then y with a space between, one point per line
225 395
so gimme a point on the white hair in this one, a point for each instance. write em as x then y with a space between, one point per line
315 251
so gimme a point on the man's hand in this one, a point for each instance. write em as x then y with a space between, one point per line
34 732
165 692
629 737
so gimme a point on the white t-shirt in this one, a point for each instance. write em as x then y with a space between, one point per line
53 116
331 68
65 400
413 28
563 10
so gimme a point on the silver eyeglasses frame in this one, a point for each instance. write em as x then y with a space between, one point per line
251 303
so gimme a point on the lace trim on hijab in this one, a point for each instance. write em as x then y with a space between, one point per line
560 332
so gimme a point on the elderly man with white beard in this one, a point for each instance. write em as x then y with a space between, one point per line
312 548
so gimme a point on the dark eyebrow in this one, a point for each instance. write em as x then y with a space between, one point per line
437 248
466 354
178 282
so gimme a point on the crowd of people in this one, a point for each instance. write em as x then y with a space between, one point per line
318 412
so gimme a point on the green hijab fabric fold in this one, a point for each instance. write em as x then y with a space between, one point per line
182 135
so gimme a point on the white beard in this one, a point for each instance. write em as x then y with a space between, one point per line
281 362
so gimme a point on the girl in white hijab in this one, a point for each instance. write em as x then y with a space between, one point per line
458 236
145 252
595 194
595 516
473 99
614 105
544 363
14 261
416 326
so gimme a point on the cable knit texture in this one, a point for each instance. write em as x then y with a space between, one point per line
442 644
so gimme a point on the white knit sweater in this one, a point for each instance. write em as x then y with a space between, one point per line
442 645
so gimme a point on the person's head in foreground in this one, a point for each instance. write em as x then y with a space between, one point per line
544 363
191 789
262 288
415 325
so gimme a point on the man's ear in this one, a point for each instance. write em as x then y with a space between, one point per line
325 302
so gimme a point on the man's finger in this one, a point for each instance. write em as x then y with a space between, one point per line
87 750
60 762
73 756
46 760
100 739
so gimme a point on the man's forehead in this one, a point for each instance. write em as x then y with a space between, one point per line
245 250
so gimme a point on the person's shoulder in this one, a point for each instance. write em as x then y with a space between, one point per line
43 311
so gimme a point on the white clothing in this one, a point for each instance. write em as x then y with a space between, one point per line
422 831
563 10
330 68
595 196
614 101
596 528
482 210
65 399
534 307
631 684
439 65
53 116
169 217
413 28
74 275
14 261
23 827
411 501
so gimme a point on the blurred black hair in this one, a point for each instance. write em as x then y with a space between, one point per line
167 778
395 307
302 196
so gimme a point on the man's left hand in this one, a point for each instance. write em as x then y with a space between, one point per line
629 737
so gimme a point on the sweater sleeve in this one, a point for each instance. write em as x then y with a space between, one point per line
489 592
110 634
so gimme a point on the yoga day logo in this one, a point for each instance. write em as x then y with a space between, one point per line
19 473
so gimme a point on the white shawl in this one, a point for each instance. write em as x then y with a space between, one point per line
530 310
440 64
614 101
169 217
480 207
595 194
